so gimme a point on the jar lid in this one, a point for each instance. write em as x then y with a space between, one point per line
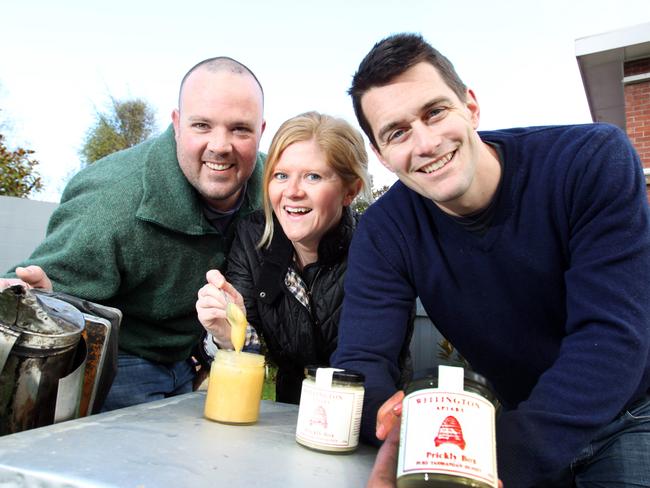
347 375
471 378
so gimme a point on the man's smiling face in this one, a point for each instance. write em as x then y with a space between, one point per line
218 127
427 136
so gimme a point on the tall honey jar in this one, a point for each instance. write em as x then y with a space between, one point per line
447 432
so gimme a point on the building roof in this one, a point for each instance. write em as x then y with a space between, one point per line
601 61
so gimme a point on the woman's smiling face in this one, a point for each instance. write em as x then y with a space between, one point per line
306 194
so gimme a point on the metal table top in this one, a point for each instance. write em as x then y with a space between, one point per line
170 444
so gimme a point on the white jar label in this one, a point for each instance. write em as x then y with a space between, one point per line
329 417
448 432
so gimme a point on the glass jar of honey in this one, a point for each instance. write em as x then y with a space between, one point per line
447 432
235 387
329 417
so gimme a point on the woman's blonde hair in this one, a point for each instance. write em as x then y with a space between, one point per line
341 143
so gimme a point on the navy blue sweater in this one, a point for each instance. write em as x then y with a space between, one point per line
552 304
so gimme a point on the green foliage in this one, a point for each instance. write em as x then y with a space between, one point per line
268 389
126 124
360 204
18 177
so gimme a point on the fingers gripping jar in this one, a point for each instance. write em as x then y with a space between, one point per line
447 435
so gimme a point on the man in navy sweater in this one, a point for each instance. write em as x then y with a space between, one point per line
530 251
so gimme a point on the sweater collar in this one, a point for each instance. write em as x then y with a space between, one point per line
170 201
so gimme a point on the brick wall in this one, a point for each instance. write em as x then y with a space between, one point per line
637 115
637 110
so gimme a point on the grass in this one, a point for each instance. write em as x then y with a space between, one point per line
268 390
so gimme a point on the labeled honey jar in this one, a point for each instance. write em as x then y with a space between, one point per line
329 416
447 432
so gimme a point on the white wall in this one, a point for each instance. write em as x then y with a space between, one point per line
22 227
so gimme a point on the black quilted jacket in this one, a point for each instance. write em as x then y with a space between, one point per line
293 336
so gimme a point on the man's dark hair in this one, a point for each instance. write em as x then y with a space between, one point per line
390 58
219 63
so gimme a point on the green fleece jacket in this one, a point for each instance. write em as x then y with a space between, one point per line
130 233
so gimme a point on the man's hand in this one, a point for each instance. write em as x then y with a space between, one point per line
389 415
29 277
383 474
384 471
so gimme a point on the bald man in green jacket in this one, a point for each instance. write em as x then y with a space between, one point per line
139 229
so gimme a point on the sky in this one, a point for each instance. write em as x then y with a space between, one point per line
60 62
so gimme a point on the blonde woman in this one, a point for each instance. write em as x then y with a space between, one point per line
286 265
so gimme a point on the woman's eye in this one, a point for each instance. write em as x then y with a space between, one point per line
280 176
313 177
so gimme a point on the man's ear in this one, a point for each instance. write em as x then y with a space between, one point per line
176 117
381 159
473 107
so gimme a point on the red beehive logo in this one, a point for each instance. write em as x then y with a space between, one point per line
319 417
450 432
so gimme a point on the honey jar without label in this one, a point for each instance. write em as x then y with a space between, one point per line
235 387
